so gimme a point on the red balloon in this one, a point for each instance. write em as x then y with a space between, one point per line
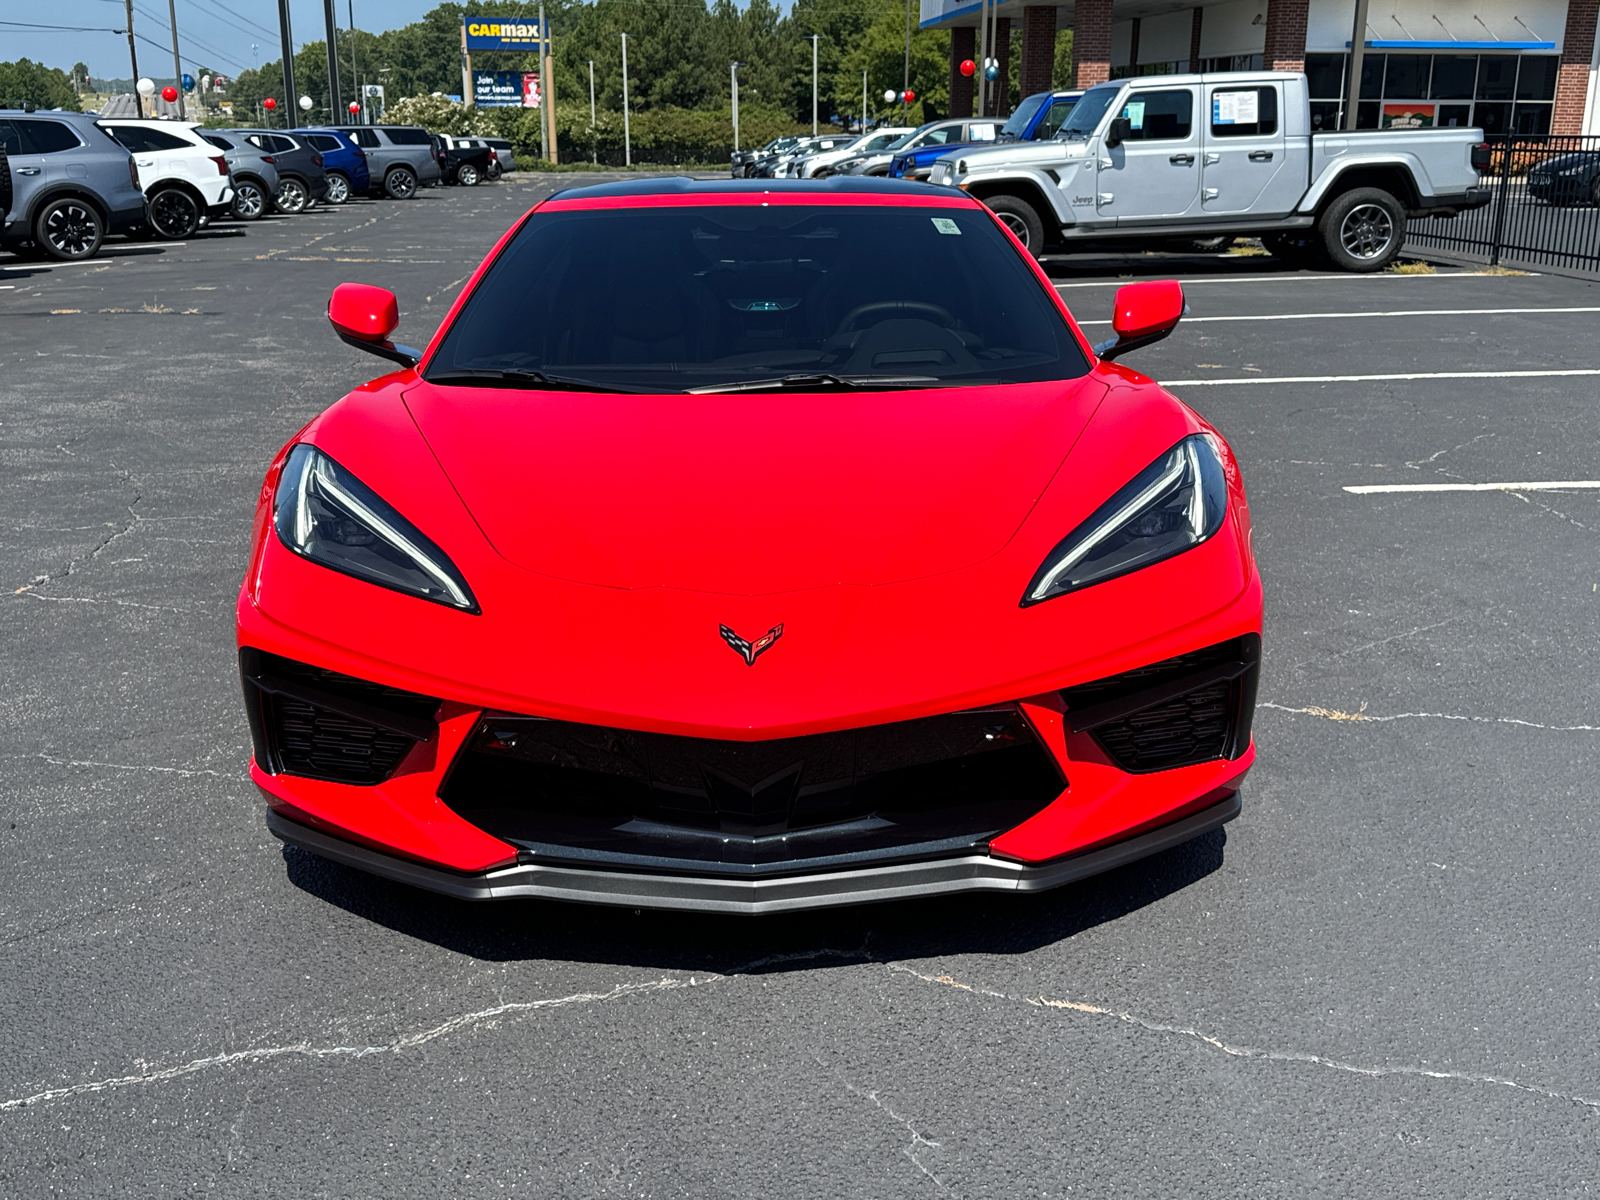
269 104
169 93
968 68
909 96
354 107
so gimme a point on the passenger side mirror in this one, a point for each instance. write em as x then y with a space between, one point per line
364 316
1142 314
1118 132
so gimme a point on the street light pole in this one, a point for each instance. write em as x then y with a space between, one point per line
733 71
1358 50
627 135
815 37
983 52
863 102
286 36
177 63
905 105
335 99
594 151
133 59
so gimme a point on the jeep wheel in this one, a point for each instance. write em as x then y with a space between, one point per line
174 214
1019 217
338 187
1363 230
249 200
400 183
293 196
68 230
467 175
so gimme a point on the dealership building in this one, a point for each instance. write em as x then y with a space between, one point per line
1528 67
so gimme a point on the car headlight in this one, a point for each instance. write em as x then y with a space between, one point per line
324 513
1171 506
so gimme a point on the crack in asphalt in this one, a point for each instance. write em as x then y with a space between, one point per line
74 564
1361 715
917 1140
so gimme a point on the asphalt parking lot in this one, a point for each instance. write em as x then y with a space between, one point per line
1379 981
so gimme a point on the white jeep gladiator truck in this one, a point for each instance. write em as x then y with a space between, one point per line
1183 158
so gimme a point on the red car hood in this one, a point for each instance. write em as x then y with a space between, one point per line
751 494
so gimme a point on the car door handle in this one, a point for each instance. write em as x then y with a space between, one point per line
1182 160
1261 156
28 170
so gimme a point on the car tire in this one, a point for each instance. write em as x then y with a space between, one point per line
293 197
1210 245
495 171
338 187
1020 218
1363 230
68 230
400 184
174 214
467 175
250 200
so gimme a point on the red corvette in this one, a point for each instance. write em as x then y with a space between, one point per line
743 547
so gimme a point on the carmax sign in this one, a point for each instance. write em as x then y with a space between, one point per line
484 34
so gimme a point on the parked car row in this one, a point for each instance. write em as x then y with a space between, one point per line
69 180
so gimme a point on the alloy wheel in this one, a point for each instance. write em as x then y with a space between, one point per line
174 214
291 196
71 231
338 188
1017 226
467 176
1367 231
249 201
402 185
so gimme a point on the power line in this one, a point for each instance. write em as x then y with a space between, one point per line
61 28
261 29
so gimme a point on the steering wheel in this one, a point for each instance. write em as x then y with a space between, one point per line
909 308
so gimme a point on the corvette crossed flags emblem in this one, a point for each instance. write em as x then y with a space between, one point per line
750 651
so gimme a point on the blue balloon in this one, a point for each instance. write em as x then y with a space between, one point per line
188 82
991 72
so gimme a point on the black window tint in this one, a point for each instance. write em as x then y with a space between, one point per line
48 137
1453 76
1158 116
1492 118
1231 108
1532 118
1497 74
257 140
1455 116
221 143
1372 76
322 141
10 139
160 139
1324 115
1325 75
1407 77
365 138
1536 77
1052 120
282 145
130 137
407 137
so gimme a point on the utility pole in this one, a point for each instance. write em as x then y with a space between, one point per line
286 36
466 66
336 111
547 72
905 105
627 136
815 37
177 63
733 70
133 59
355 72
594 151
983 52
1358 50
863 102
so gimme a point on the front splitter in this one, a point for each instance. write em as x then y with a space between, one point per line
756 897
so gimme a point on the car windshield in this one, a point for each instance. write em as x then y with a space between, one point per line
806 296
1086 113
1018 124
900 142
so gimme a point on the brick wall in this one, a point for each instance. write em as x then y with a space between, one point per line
963 45
1091 42
1038 48
1572 84
1286 35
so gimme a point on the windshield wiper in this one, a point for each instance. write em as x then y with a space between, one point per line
495 377
811 383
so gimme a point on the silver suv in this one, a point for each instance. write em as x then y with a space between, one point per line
400 157
71 184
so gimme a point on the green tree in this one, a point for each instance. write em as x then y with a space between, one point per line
25 81
880 51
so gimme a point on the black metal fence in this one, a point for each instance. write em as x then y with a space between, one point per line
1545 209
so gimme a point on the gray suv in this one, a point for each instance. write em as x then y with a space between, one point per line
255 174
71 184
400 157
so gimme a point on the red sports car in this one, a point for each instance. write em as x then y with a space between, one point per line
746 547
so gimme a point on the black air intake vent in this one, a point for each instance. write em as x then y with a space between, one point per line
1189 709
318 723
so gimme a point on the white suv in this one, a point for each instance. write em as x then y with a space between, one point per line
185 178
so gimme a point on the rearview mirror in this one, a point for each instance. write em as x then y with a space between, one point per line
1142 314
1118 132
364 316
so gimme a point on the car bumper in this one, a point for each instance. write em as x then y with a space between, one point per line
756 897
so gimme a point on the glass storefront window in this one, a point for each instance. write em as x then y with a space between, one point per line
1391 84
1536 80
1454 76
1325 75
1493 117
1497 77
1406 77
1371 76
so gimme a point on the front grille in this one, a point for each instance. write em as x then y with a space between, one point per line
564 791
1192 708
318 723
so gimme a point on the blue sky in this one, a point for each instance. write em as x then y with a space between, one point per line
222 31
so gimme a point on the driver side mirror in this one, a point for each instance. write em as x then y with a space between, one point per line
1143 314
364 316
1118 132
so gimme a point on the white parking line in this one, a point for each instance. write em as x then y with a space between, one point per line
1553 485
1413 312
1379 378
1287 278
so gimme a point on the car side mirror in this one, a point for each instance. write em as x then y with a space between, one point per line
1118 132
364 316
1142 314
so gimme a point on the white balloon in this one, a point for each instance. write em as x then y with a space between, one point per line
146 87
891 96
305 103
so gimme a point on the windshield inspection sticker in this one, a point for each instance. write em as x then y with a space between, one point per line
946 225
1235 108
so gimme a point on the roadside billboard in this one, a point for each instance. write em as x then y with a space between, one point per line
491 33
497 89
